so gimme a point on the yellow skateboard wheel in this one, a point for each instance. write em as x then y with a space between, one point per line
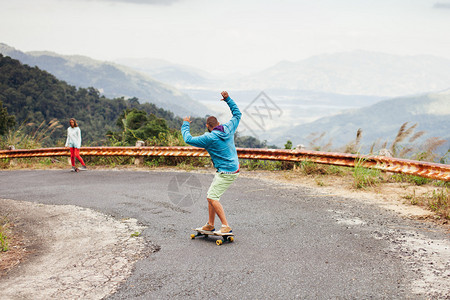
192 236
219 242
231 239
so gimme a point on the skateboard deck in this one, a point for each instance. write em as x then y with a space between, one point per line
226 237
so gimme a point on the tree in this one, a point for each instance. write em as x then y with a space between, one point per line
288 145
138 125
6 121
133 102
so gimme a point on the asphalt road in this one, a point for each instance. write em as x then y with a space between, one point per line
291 242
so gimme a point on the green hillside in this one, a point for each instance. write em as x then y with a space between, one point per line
112 80
34 96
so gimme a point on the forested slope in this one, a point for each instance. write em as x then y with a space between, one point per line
34 96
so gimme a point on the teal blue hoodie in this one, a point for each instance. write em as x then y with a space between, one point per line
220 142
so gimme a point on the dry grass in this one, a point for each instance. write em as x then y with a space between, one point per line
402 134
35 163
354 146
431 196
315 139
401 147
437 200
25 138
428 152
12 248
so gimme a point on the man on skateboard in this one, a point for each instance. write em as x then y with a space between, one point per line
219 142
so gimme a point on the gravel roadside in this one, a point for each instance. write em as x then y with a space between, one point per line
70 252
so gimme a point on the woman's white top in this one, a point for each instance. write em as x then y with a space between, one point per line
73 137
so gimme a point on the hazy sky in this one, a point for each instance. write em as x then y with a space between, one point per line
226 35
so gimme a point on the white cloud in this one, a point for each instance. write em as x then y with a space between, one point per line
442 5
149 2
226 36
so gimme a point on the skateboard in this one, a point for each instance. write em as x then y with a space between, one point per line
75 170
226 237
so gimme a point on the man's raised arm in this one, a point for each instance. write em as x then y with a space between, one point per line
234 109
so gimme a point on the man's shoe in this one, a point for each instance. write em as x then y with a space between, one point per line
224 229
83 168
207 227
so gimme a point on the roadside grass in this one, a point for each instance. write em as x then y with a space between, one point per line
110 161
4 233
365 177
34 163
416 180
268 165
312 168
437 201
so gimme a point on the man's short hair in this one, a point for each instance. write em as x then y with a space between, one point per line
212 121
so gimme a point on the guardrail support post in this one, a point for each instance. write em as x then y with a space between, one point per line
139 160
13 161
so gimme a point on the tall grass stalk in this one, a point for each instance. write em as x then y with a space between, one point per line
315 138
354 146
23 137
402 134
429 149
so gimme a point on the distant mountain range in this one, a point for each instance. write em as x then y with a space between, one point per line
112 80
355 73
380 121
179 76
350 73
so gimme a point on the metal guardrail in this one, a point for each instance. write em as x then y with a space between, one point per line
388 164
